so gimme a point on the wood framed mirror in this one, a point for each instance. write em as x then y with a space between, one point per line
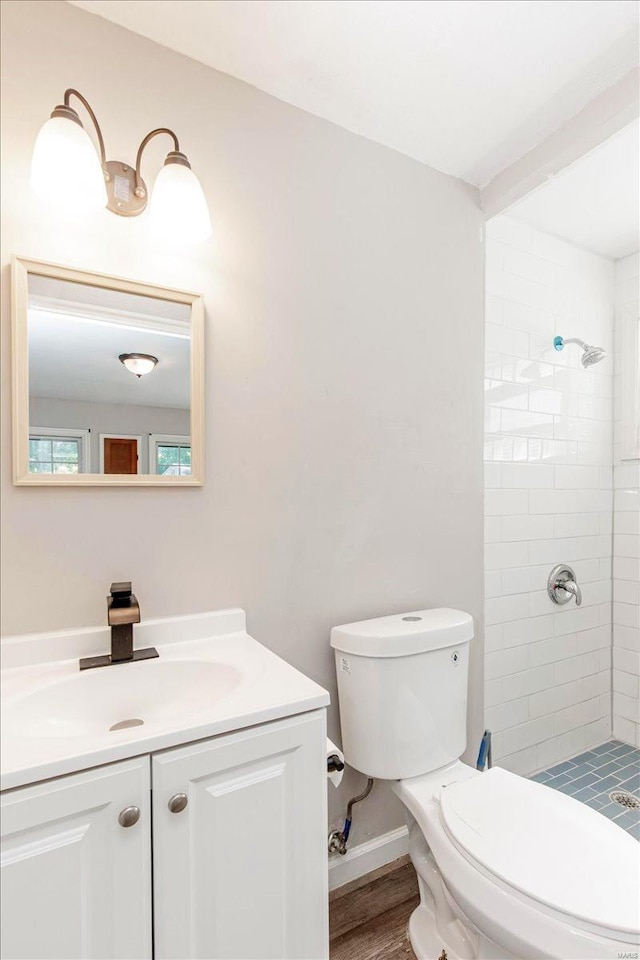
108 380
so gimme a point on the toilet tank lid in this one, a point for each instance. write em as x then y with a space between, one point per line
403 634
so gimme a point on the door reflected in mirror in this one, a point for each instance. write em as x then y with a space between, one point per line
110 392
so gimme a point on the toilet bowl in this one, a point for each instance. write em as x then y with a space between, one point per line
508 869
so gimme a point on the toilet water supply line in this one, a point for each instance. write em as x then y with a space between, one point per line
338 838
484 755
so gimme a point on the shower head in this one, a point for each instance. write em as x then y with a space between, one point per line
590 355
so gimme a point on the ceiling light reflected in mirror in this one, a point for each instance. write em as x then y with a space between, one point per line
108 379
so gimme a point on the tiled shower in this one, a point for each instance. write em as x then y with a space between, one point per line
626 521
549 498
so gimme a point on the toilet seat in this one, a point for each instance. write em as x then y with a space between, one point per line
569 857
509 911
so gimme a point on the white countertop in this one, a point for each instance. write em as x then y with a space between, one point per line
197 654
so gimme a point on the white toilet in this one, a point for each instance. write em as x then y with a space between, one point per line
507 867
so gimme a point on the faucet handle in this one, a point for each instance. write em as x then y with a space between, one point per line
562 585
120 593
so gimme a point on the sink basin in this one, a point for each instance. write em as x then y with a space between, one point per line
126 697
211 678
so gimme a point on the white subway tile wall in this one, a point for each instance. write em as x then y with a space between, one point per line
549 499
626 535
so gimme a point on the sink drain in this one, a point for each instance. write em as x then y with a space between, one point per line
625 799
124 724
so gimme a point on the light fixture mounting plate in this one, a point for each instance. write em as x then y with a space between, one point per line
123 196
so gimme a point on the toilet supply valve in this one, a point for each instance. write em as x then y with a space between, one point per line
338 838
337 843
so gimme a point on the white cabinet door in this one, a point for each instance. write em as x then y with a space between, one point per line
241 872
75 883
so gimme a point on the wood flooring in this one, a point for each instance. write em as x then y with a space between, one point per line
368 918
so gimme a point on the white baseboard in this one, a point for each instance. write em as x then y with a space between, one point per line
367 857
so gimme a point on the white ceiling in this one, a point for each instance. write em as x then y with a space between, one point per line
594 203
466 86
109 299
74 355
75 359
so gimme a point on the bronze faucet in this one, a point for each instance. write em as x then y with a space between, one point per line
123 611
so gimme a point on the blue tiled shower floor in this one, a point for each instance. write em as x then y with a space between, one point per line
592 776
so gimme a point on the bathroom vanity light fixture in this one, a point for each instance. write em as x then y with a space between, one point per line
67 172
138 364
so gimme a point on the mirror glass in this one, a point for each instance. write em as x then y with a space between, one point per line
109 381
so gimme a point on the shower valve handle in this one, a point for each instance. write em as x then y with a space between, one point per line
562 585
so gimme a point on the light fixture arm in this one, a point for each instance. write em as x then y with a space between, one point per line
75 93
68 171
175 156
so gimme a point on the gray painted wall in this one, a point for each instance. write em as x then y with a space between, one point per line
344 359
107 418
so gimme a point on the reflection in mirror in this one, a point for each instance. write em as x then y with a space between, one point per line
94 408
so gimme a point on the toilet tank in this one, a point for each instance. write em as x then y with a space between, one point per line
402 687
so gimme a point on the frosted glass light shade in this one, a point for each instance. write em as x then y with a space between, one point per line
138 364
178 208
65 168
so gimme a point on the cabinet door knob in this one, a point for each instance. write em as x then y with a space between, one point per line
178 802
129 816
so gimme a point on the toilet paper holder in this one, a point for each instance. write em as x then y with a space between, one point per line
334 764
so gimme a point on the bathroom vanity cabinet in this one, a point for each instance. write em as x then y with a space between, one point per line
212 849
75 883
